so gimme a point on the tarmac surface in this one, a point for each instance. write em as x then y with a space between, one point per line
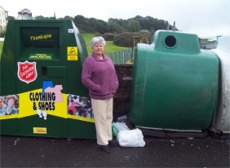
18 151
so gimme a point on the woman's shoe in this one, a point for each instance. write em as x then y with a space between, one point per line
105 148
113 143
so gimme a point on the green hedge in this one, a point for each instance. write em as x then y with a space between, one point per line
130 39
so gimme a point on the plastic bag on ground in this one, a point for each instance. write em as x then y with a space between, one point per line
120 126
114 130
131 138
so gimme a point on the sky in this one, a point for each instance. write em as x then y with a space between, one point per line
202 17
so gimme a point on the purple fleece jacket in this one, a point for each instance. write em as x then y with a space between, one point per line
100 77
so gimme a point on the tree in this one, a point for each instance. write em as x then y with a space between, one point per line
161 24
10 18
68 17
133 26
114 27
99 26
40 17
79 19
2 33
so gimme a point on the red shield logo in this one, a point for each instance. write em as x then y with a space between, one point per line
27 71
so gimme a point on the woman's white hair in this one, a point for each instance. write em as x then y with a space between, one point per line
97 39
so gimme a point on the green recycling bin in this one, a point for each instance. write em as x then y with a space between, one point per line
40 83
175 84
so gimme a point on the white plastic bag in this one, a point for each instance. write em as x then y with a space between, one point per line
131 138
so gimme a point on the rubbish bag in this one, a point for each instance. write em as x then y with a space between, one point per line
120 126
131 138
114 130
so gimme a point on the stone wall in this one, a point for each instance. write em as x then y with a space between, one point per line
123 95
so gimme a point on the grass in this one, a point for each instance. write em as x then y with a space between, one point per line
1 45
109 48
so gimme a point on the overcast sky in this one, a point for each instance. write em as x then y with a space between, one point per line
201 17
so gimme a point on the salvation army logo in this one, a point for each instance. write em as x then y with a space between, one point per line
27 71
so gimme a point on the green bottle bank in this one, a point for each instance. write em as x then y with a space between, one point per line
175 84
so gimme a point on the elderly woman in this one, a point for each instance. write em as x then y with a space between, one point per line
99 76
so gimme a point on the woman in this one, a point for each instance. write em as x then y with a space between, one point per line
99 76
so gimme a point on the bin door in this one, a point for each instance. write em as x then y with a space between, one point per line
41 79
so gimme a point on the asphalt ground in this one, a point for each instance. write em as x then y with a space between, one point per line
17 151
